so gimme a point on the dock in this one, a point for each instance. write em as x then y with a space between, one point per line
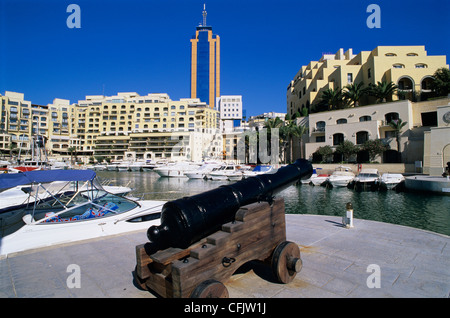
370 260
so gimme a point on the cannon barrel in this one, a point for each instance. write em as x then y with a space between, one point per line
189 219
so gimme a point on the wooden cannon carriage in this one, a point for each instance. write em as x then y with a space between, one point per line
258 232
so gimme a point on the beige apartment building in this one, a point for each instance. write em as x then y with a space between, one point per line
115 127
409 67
425 134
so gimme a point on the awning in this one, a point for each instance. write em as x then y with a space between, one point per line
10 180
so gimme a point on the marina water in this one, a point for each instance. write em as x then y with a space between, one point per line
425 211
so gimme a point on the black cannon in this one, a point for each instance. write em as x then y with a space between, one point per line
189 219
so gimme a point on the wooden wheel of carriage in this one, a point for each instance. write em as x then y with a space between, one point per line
286 262
210 289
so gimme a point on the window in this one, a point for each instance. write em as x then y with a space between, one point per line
320 126
369 73
338 139
390 117
390 54
341 121
365 118
398 65
421 65
361 137
349 78
412 54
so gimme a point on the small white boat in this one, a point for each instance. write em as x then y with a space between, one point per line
202 171
259 169
60 217
223 172
341 177
391 180
367 179
319 180
314 175
177 170
99 167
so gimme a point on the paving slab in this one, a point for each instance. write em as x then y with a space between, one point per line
373 259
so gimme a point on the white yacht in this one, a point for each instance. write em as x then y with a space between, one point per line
341 177
80 210
223 172
177 170
202 171
367 179
391 180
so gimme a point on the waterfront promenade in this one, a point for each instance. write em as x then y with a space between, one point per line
337 262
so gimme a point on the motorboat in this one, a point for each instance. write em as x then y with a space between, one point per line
319 179
391 180
223 172
259 169
176 170
99 167
367 179
341 177
80 210
202 171
314 175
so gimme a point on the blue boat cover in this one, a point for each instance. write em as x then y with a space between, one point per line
10 180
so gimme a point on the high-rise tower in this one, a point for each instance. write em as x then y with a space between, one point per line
205 63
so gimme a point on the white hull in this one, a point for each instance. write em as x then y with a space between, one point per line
38 235
340 181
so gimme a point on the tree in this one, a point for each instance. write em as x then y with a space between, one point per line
71 150
325 152
397 125
441 82
294 130
332 98
354 92
347 148
382 91
374 147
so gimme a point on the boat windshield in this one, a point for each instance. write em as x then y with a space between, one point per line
73 202
368 175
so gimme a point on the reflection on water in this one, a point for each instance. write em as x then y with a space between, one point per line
424 211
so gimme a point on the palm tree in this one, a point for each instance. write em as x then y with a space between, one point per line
332 98
397 125
354 92
382 91
290 131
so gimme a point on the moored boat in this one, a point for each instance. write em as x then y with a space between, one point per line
341 177
391 180
367 179
80 210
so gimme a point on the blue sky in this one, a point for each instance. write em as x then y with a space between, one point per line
143 46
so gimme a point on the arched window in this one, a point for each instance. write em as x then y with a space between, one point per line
320 126
405 83
421 65
361 137
398 65
338 139
341 121
390 117
390 54
412 54
365 118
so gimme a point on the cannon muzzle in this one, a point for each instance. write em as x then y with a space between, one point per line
189 219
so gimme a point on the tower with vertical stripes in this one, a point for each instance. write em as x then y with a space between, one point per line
205 63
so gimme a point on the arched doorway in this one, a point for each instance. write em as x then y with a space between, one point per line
405 88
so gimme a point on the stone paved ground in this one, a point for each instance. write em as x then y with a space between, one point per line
411 263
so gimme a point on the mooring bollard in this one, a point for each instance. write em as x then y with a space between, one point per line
347 220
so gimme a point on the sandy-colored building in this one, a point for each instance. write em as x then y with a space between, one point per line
126 125
360 124
409 67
